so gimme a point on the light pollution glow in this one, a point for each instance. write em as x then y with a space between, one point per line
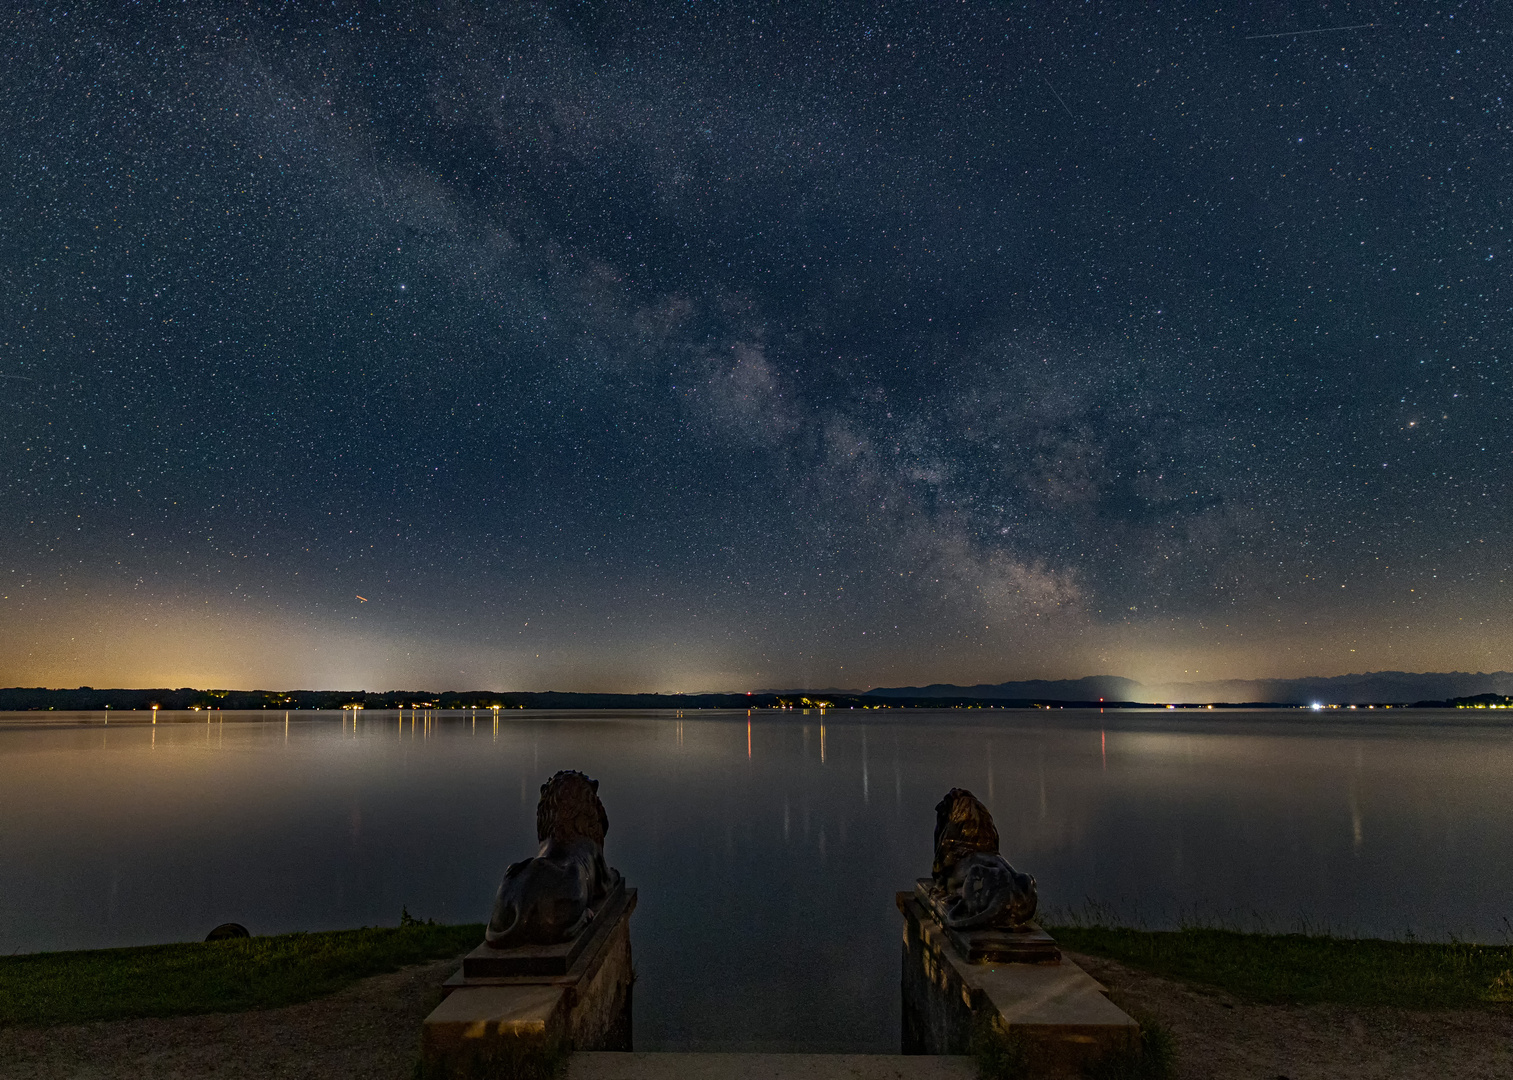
106 640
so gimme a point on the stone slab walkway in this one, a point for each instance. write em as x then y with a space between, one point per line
767 1067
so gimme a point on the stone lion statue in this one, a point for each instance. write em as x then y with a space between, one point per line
552 897
974 884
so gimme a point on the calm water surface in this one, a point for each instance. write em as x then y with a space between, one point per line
766 855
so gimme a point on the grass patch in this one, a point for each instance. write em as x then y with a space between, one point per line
42 989
1153 1058
997 1054
1303 969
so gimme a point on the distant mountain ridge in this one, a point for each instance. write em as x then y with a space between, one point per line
1362 689
1090 688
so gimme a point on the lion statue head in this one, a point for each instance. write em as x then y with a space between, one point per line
570 809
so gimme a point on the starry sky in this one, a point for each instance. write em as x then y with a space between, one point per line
710 346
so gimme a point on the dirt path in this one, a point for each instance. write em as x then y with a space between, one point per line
369 1031
1222 1038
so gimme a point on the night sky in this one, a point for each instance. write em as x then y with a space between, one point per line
702 346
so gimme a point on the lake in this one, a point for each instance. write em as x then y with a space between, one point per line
766 850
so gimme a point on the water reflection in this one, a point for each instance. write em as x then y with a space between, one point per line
765 867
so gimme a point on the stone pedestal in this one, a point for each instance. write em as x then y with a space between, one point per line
516 1012
1052 1012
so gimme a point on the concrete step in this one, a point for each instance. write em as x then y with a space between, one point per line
609 1066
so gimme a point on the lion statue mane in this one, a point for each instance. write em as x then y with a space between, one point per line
552 897
975 886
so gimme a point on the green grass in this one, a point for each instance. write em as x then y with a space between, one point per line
41 989
1154 1057
1299 968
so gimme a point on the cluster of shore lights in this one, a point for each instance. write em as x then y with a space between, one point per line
803 703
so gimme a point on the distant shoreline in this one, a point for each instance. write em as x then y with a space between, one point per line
87 699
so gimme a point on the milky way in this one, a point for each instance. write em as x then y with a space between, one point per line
697 346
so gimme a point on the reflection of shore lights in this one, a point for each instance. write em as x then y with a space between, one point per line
154 714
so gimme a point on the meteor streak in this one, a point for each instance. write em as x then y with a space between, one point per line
1298 33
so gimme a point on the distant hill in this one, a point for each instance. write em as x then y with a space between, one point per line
1378 686
1108 687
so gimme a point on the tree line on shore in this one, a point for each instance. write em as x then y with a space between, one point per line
88 699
